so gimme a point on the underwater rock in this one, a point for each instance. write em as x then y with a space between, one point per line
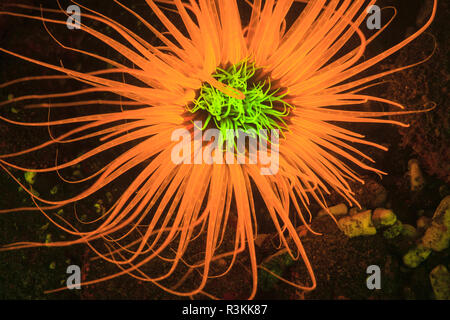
337 210
416 256
440 282
383 217
415 174
437 236
359 224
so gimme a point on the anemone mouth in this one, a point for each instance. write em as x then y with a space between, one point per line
251 102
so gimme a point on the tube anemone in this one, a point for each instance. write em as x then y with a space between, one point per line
301 77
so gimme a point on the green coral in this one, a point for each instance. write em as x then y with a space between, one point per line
54 190
48 238
383 217
277 266
393 231
99 208
30 177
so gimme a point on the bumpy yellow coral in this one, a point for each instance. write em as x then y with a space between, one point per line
358 225
383 217
30 177
393 231
416 256
337 210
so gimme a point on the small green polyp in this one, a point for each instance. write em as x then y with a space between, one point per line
260 109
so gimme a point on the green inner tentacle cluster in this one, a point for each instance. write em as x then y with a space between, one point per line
261 110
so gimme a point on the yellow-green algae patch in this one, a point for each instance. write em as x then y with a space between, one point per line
437 236
358 225
383 217
440 282
393 231
416 256
30 177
